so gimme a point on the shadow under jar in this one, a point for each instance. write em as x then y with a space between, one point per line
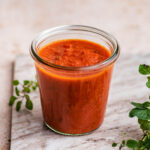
74 98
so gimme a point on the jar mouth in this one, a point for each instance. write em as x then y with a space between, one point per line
99 32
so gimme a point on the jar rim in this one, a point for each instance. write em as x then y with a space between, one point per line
97 31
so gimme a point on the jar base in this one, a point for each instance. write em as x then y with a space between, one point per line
68 134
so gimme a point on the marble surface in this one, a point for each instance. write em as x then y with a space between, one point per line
21 20
29 133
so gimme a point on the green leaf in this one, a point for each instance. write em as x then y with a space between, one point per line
23 90
27 89
18 105
27 97
141 145
36 84
143 114
12 100
26 82
137 105
15 82
146 142
140 121
17 91
114 144
132 144
144 124
29 104
148 83
34 88
146 104
141 105
123 143
144 69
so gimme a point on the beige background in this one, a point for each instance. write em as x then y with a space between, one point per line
21 20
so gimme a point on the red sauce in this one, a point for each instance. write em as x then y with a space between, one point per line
73 102
75 53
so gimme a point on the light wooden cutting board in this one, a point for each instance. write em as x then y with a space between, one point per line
29 133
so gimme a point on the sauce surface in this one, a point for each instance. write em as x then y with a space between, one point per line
73 105
76 53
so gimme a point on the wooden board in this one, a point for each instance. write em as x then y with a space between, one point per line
29 133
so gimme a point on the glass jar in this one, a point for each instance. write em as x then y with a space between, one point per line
74 98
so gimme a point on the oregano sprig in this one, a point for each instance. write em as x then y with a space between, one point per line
142 112
22 91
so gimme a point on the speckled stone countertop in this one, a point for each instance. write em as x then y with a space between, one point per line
21 20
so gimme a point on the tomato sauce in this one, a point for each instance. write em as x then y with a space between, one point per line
73 102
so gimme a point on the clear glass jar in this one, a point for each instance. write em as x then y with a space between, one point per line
74 98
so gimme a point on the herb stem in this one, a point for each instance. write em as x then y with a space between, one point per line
22 93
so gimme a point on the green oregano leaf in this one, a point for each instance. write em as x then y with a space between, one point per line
114 144
143 114
15 82
36 84
22 93
144 69
148 83
34 88
137 105
29 104
17 91
123 143
144 124
146 104
27 89
12 100
26 82
132 144
18 105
